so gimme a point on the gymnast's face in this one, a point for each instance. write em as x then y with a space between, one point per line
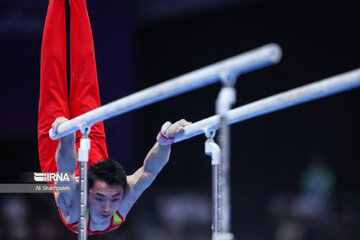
104 200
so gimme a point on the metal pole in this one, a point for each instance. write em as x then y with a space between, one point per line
83 178
320 89
222 178
240 64
212 149
221 173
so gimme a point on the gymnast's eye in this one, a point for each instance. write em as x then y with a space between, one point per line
99 199
115 199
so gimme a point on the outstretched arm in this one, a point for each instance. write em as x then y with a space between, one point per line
66 161
154 161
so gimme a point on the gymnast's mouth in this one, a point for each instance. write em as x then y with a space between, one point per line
105 215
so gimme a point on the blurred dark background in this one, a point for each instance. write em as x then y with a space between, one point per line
294 173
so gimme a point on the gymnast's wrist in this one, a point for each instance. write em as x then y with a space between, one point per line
68 139
162 138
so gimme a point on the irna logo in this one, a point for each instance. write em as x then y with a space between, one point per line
51 177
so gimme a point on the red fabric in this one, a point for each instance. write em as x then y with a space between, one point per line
84 91
75 226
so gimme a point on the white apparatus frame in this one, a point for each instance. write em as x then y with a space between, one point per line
326 87
243 63
316 90
229 68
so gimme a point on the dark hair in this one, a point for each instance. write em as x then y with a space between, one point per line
109 171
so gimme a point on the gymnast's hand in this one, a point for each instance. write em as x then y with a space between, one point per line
177 128
55 126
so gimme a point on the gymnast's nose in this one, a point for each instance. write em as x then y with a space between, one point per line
106 207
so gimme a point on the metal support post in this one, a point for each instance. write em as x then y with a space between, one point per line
83 178
221 173
213 150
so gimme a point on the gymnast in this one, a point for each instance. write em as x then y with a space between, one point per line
111 193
